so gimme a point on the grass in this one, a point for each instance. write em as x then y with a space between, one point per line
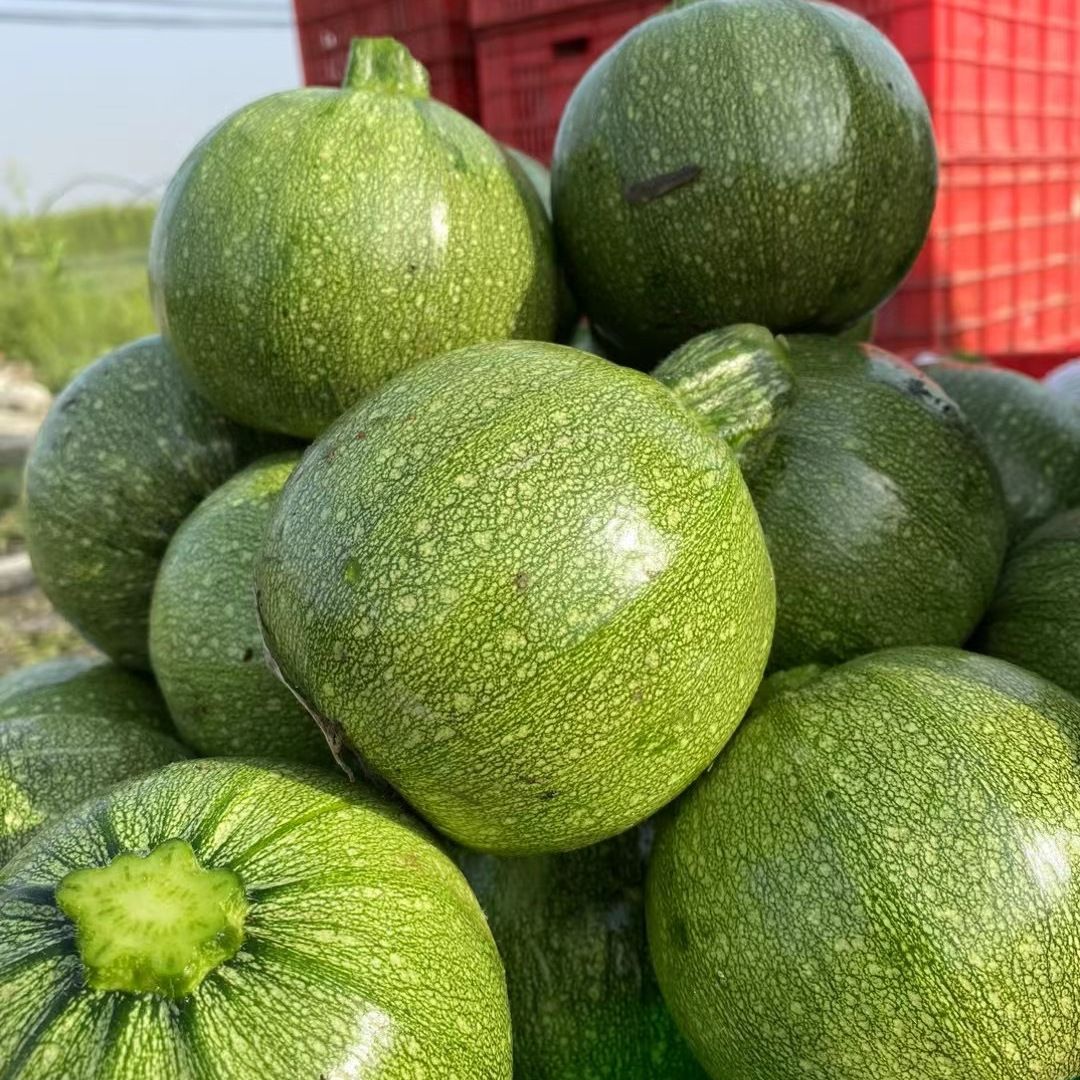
72 286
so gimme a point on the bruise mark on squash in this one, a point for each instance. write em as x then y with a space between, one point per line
521 581
645 191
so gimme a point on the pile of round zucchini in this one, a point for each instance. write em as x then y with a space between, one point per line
480 705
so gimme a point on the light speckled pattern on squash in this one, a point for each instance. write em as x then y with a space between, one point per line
50 762
320 240
126 452
529 588
84 686
1032 435
584 1003
880 880
43 675
1034 619
365 953
205 644
884 517
69 729
800 165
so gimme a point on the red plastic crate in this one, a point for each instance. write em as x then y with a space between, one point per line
1001 270
435 31
527 71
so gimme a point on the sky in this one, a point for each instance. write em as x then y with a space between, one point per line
79 100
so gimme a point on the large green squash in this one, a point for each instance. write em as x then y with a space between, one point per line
882 512
205 644
766 161
571 932
527 586
65 737
1034 619
320 240
220 920
879 879
126 452
1032 435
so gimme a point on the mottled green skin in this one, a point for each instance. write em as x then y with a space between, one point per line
880 880
205 644
1034 619
319 241
863 330
883 515
571 933
79 685
365 953
1032 435
66 735
43 675
540 179
126 452
817 180
528 587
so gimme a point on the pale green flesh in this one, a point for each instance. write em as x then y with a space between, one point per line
879 879
125 453
205 645
153 924
364 953
319 241
766 161
528 587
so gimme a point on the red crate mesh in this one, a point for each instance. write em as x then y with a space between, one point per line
527 71
435 31
1001 269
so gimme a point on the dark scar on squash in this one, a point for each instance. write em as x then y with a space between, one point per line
645 191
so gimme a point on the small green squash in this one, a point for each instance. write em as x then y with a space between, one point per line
320 240
205 645
126 452
879 879
882 512
527 586
68 733
223 920
1033 437
1034 619
584 1003
765 161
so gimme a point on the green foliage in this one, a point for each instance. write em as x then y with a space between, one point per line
72 286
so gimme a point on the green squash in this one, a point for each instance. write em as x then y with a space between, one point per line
1034 619
319 241
223 920
1032 435
879 879
571 932
68 733
863 330
882 512
765 161
43 675
126 452
205 645
540 178
79 684
527 587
